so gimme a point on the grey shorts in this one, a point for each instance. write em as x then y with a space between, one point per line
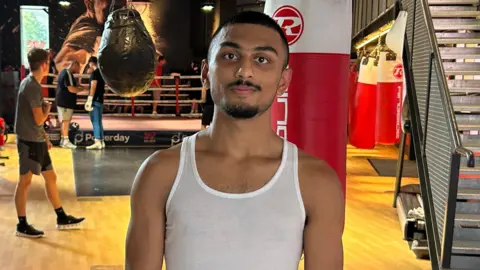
33 156
65 114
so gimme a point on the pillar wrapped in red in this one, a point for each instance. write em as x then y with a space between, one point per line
363 115
2 131
313 113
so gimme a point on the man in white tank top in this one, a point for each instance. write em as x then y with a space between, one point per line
236 196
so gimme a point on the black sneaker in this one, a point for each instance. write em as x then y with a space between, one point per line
27 230
69 223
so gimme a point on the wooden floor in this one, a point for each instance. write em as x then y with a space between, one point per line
372 238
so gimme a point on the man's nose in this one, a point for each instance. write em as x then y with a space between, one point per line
245 69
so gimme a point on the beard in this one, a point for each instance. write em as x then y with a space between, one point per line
244 111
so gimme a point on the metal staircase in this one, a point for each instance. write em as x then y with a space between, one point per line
442 64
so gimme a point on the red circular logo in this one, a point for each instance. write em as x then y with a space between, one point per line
398 71
291 21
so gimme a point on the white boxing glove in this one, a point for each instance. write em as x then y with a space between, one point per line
88 104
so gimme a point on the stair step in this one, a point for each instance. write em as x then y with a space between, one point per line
458 38
468 122
468 194
467 220
456 24
472 142
459 262
453 68
468 208
460 53
467 108
452 11
464 86
466 247
466 104
452 2
471 172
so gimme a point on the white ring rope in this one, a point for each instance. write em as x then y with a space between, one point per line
180 100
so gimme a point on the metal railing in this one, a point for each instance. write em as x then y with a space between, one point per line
367 13
436 140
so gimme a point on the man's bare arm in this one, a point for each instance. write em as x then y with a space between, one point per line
324 205
93 88
76 89
146 231
40 114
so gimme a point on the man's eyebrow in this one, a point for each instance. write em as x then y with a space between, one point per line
230 44
266 48
237 46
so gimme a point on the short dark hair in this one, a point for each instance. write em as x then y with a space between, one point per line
258 18
160 58
93 59
37 57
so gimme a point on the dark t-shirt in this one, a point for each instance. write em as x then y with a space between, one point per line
65 98
100 90
209 100
29 97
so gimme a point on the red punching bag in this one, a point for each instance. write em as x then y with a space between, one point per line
363 116
389 97
353 79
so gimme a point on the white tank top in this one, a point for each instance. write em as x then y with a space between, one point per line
211 230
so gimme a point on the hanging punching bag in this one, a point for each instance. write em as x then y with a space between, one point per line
395 41
313 113
352 89
362 132
389 97
127 54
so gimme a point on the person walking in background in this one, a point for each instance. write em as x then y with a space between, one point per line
66 100
94 104
207 109
51 89
162 70
33 147
195 95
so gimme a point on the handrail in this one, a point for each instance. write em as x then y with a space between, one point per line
448 106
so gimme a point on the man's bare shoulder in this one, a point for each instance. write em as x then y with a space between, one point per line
158 172
319 182
316 173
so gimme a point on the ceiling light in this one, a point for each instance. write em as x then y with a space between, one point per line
207 7
64 3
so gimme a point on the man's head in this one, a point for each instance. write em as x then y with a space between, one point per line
93 62
98 9
246 67
74 67
161 60
51 52
38 60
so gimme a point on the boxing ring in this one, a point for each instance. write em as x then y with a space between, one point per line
128 122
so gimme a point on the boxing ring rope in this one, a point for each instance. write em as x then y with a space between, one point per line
167 89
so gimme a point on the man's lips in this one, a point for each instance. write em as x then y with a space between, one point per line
243 88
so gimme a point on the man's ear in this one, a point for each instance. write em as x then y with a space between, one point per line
284 81
205 81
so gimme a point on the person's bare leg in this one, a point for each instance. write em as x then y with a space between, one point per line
51 188
65 127
194 107
21 193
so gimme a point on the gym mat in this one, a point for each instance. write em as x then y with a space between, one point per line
388 167
107 172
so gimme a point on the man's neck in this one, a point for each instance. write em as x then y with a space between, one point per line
38 75
241 138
